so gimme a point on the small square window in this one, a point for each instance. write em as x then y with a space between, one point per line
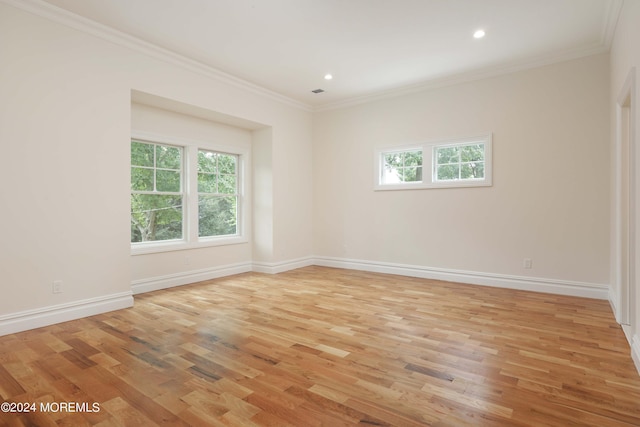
459 162
402 166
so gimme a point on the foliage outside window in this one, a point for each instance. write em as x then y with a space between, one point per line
156 192
217 193
459 162
462 162
402 166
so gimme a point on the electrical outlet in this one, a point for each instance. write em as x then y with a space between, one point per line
526 263
57 287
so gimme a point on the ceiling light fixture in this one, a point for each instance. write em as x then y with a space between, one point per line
478 34
328 76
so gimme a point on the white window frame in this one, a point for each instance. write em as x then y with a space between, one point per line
428 164
190 238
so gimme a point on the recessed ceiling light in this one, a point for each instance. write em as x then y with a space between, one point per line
328 76
478 34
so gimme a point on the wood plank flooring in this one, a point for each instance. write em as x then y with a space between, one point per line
329 347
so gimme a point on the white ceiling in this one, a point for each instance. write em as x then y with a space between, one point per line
372 47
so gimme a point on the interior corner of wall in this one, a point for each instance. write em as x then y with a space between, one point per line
262 203
612 301
635 351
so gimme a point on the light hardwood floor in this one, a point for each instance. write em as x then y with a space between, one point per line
329 347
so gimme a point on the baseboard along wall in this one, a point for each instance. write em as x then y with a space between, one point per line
22 321
535 284
37 318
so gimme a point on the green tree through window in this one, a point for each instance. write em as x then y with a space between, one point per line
459 162
402 166
217 194
185 194
156 192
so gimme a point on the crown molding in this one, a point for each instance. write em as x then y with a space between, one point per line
609 24
466 77
77 22
64 17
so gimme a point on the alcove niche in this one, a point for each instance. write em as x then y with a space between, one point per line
157 117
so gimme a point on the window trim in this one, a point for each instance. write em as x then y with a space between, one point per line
428 164
190 238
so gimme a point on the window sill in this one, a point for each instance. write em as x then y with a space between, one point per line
181 245
433 185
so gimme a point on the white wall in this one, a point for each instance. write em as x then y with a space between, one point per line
65 128
625 54
550 195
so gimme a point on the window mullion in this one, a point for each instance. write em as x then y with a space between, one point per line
191 193
155 168
427 159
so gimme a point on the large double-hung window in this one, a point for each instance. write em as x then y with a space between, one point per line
185 195
217 193
157 193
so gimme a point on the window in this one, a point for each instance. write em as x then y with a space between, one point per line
402 166
185 194
217 193
463 162
156 192
458 162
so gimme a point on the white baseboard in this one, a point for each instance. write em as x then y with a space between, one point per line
635 351
280 267
613 298
187 277
184 278
36 318
628 333
561 287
